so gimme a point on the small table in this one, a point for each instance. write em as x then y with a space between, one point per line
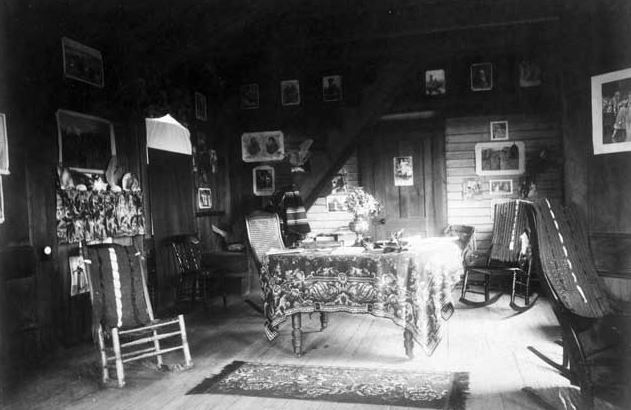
412 288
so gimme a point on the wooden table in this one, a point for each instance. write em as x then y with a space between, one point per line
412 288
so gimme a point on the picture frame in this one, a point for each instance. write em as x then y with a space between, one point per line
201 106
332 88
403 170
290 92
78 276
501 187
82 63
85 142
4 146
611 112
336 202
500 158
481 76
530 74
263 180
262 146
499 130
204 198
435 82
249 96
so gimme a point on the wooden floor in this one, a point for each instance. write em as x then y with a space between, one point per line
489 343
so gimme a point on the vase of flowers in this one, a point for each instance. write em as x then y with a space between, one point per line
364 208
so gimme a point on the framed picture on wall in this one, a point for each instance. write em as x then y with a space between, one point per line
262 146
501 186
403 170
611 112
249 96
481 76
86 143
78 276
435 83
4 146
529 74
290 92
263 180
337 202
500 158
499 130
82 63
204 198
332 88
201 107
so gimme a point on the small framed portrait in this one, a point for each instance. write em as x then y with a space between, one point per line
82 63
249 96
337 203
611 112
290 92
403 170
86 143
262 146
332 88
78 277
204 198
529 74
499 130
435 83
263 180
501 186
201 107
500 158
481 76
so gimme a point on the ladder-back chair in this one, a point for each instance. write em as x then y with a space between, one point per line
510 255
122 313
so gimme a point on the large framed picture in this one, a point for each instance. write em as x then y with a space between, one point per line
500 158
290 92
4 146
201 107
435 83
249 96
86 143
262 146
481 76
499 130
332 88
611 112
82 63
263 180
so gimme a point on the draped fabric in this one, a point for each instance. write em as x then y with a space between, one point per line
166 134
412 288
118 298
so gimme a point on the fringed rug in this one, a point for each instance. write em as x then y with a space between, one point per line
431 390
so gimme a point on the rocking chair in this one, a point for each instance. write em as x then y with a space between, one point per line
121 309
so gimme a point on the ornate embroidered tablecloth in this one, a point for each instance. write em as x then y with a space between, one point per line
412 288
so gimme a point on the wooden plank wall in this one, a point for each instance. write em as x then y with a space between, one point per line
323 221
461 134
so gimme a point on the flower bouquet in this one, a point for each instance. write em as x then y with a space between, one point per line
364 208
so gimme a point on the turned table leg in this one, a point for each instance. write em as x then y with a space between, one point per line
408 342
324 320
296 323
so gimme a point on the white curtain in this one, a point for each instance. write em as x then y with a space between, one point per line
166 134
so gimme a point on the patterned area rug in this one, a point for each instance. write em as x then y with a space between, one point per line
431 390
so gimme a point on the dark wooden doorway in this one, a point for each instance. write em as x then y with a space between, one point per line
421 207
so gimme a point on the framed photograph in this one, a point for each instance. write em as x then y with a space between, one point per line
290 92
204 198
249 96
82 63
85 142
4 146
201 107
529 74
481 76
263 180
435 83
611 112
403 169
501 186
499 130
78 276
332 88
1 201
262 146
336 203
500 158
